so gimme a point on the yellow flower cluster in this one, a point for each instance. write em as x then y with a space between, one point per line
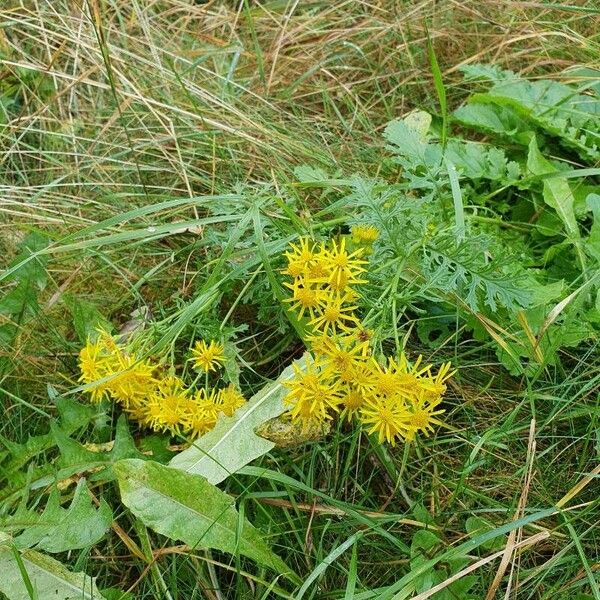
156 400
394 400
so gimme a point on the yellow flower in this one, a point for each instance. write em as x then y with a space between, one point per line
343 354
389 418
344 267
334 315
207 357
229 399
94 366
396 399
435 385
91 362
202 413
385 380
423 413
168 406
320 344
361 378
300 258
304 377
352 400
396 377
108 369
364 234
319 268
306 297
312 395
131 379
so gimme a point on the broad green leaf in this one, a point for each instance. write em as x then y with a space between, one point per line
475 71
490 118
48 578
188 508
74 458
554 108
59 529
422 542
557 194
73 415
232 444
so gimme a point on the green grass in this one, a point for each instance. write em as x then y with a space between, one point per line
122 121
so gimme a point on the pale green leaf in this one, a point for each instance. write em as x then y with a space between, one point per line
233 443
48 577
419 121
403 139
188 508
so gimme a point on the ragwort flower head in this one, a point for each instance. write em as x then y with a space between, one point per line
207 357
335 315
424 410
229 399
388 418
306 297
130 380
168 405
435 385
344 267
300 258
201 414
343 357
95 366
312 396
